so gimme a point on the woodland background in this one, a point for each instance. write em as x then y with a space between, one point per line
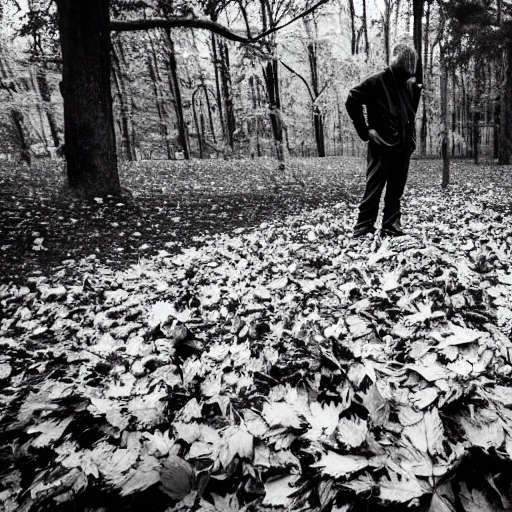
197 94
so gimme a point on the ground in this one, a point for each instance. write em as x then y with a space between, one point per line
219 342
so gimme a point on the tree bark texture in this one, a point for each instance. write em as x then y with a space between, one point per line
365 30
418 38
90 146
445 154
352 26
227 94
424 65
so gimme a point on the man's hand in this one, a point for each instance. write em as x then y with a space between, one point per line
374 136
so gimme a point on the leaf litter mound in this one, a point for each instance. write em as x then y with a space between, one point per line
284 368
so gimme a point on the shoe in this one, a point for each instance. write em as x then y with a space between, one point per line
359 233
391 231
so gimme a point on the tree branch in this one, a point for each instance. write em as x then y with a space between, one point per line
298 17
202 23
298 75
177 21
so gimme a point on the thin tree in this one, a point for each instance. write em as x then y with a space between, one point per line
443 84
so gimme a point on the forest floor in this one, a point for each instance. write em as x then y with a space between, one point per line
219 342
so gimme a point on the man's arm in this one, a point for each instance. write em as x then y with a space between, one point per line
357 97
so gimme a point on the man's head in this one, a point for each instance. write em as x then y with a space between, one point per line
404 60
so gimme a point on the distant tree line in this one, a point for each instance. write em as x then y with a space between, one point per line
205 77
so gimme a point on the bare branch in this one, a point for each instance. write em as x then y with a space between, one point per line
246 19
299 16
178 21
202 23
298 75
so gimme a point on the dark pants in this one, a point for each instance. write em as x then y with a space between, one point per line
384 168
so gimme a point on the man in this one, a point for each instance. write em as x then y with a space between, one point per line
391 98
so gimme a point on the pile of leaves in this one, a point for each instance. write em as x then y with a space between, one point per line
286 367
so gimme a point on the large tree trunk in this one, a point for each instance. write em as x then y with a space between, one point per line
90 146
443 83
505 146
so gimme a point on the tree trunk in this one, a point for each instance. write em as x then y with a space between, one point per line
178 103
365 29
386 29
318 122
505 147
253 119
90 145
443 82
209 107
227 94
424 119
319 131
125 103
198 133
271 77
218 94
477 112
44 90
417 35
352 26
125 99
454 113
154 75
21 131
259 126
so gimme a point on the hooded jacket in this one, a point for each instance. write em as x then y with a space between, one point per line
391 104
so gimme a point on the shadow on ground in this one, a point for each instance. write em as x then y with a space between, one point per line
121 231
177 204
